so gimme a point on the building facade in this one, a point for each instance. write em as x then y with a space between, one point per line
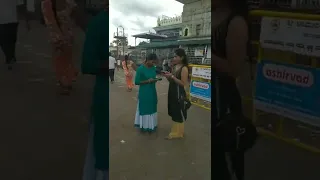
170 27
165 40
196 18
196 30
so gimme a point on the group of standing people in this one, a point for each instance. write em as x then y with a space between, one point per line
146 114
230 51
146 118
128 66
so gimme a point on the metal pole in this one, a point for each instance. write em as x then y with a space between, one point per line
123 40
117 43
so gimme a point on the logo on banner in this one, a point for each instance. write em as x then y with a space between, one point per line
200 85
290 23
288 75
275 24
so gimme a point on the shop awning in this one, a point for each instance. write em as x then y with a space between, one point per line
159 44
194 41
175 43
149 36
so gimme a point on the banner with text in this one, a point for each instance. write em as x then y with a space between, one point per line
200 90
201 72
298 36
289 90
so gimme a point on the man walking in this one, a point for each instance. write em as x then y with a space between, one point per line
8 30
112 66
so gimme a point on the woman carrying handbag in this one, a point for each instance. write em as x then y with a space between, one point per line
178 104
232 132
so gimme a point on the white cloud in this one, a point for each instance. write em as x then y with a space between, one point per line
139 16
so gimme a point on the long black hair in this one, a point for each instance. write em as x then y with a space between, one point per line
182 54
151 56
126 58
239 8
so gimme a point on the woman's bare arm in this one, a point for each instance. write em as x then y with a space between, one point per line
236 47
134 66
184 78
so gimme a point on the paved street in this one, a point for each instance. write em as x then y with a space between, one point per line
148 157
44 135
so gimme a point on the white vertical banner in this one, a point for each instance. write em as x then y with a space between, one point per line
209 52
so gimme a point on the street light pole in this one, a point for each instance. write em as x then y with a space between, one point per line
117 43
123 40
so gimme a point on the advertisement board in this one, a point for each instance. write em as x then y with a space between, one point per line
200 90
291 91
298 36
201 72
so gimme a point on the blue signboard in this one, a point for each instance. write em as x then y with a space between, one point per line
201 90
289 90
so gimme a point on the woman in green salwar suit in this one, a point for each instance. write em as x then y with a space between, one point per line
95 62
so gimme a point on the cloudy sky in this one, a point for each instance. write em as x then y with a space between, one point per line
139 16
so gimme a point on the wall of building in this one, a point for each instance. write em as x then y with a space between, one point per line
166 21
170 33
196 18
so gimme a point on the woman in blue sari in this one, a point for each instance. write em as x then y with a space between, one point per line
95 62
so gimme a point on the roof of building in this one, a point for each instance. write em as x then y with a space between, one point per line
195 42
159 44
149 35
162 44
168 27
131 47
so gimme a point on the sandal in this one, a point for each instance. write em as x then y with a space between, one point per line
171 138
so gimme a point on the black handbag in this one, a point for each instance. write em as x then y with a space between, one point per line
183 102
237 132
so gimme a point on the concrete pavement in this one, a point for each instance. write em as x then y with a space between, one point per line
152 157
44 136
